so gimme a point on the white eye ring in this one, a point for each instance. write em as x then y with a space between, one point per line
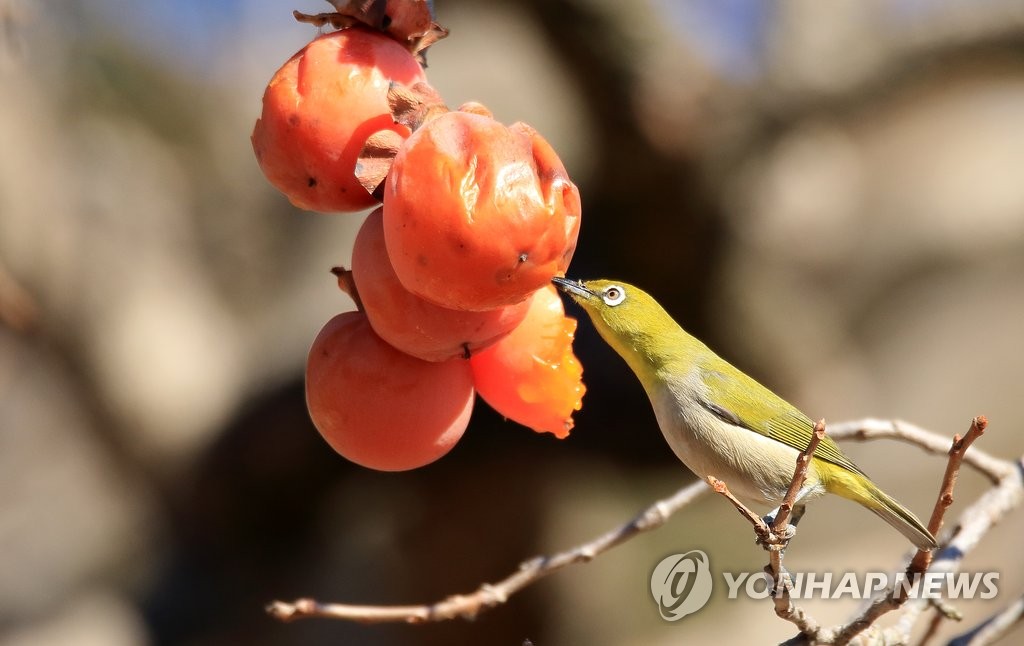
613 295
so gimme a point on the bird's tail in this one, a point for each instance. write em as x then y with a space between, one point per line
857 487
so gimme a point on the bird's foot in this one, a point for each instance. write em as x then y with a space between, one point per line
794 516
777 541
798 513
787 533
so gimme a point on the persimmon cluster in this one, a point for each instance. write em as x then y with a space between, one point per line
451 272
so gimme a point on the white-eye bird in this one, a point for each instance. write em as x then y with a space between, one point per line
718 420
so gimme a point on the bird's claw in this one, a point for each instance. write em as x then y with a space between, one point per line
777 541
787 533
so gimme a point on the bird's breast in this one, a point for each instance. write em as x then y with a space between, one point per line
756 468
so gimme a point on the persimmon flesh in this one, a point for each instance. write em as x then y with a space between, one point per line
318 111
380 407
478 215
532 376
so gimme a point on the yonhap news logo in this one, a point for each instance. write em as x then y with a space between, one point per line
681 584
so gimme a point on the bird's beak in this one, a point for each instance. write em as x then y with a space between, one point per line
573 288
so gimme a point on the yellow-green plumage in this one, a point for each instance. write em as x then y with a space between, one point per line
718 420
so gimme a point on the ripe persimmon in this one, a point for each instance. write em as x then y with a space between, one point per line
380 407
410 323
318 111
476 214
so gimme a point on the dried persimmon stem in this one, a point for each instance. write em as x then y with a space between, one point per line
348 285
412 106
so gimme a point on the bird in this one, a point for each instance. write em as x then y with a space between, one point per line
721 422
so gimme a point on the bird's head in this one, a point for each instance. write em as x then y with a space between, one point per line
612 304
628 318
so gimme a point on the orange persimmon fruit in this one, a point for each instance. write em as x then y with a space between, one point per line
414 325
318 111
477 214
380 407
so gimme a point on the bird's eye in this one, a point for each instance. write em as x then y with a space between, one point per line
613 295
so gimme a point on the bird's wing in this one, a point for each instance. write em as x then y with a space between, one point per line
740 400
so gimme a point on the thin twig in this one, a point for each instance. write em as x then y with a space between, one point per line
799 477
973 524
784 606
892 598
923 558
995 469
761 528
490 595
775 537
933 628
993 628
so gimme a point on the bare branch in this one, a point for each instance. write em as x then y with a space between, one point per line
923 558
761 528
974 523
992 467
932 630
892 599
784 606
992 628
490 595
972 526
799 476
776 537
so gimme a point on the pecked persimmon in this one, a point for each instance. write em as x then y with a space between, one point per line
318 111
532 376
410 323
476 214
380 407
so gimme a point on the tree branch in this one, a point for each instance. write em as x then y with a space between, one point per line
972 526
490 595
892 598
784 606
776 537
799 477
993 628
995 469
765 536
923 558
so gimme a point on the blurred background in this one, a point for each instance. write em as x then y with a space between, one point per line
830 194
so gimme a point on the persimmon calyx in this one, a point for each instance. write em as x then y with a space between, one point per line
410 22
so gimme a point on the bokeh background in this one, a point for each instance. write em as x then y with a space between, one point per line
831 194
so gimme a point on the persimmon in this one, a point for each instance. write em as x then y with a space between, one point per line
532 376
410 323
319 109
380 407
476 214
